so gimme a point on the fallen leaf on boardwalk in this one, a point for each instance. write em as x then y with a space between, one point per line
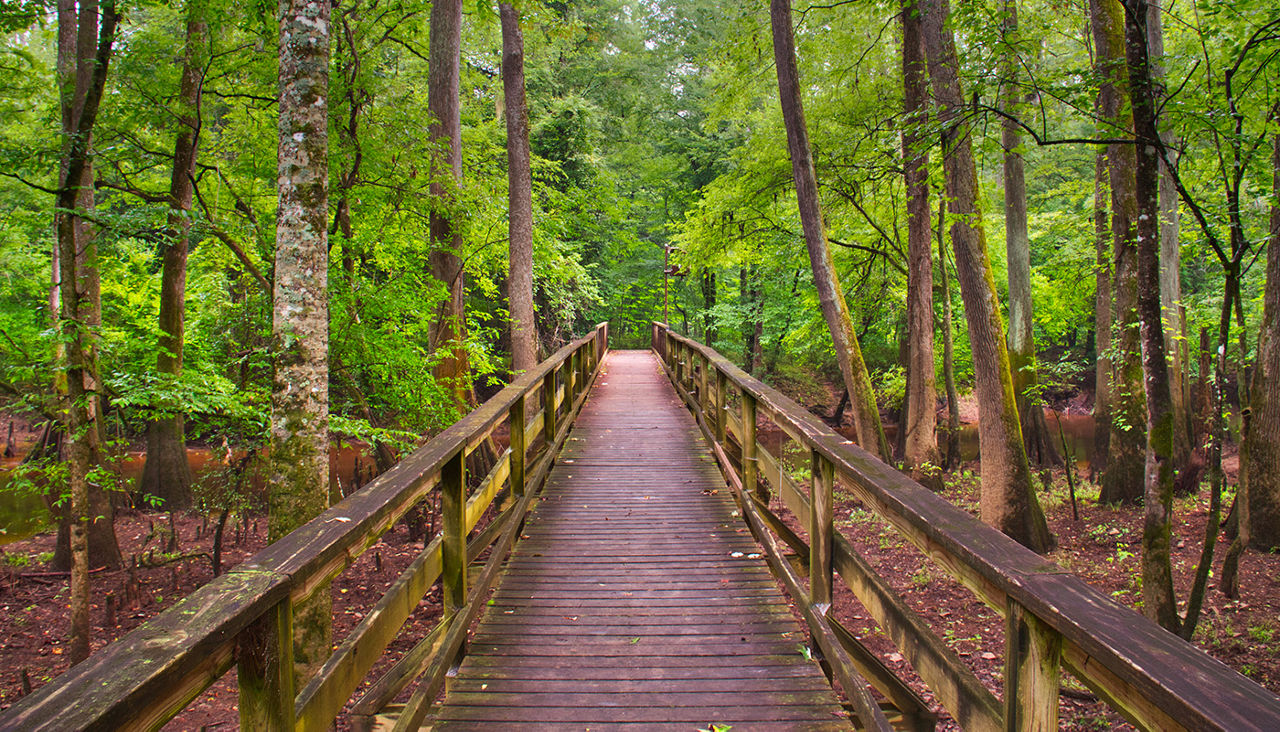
736 555
989 656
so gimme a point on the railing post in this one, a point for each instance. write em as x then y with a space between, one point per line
677 362
704 400
1032 658
569 368
821 527
750 465
721 418
453 509
264 671
549 406
515 425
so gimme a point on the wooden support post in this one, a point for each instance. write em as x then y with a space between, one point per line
821 527
1032 667
515 425
264 656
549 406
453 509
704 398
721 420
677 362
750 466
570 369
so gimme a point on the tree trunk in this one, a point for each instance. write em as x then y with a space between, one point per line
1158 601
1260 480
444 104
1022 346
921 439
1101 318
1170 261
1122 477
1007 501
166 473
524 352
866 415
299 463
708 305
948 348
84 50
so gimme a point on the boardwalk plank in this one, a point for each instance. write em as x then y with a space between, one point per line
636 598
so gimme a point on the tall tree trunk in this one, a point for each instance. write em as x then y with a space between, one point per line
919 425
1007 501
524 352
1122 477
166 473
948 349
1157 571
1022 347
444 104
708 305
753 327
1102 320
866 415
1170 260
84 52
1260 480
299 463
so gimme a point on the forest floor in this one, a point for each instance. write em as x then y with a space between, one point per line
1102 546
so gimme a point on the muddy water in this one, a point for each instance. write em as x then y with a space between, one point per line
24 514
1077 429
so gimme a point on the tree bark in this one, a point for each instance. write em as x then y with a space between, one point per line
299 463
708 305
1101 317
524 352
1123 475
1158 601
166 473
84 51
948 350
444 104
1007 500
919 425
1170 259
1022 346
866 415
1260 480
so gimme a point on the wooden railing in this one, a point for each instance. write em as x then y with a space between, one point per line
1052 618
244 618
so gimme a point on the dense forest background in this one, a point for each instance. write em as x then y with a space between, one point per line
662 188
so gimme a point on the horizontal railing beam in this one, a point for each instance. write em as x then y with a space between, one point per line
1148 674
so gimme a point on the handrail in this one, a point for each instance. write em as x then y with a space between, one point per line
1053 619
244 617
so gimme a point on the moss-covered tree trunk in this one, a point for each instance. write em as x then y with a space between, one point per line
1101 316
299 468
1007 501
1158 601
866 415
1022 346
1261 453
524 350
1126 442
84 49
166 473
1170 259
444 103
919 425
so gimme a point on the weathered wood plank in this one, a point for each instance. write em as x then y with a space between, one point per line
635 582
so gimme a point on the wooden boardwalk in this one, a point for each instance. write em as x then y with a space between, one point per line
636 597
